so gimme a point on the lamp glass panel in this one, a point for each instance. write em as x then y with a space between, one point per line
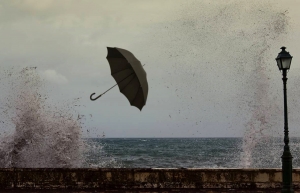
286 63
279 63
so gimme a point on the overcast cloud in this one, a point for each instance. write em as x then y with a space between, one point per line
201 61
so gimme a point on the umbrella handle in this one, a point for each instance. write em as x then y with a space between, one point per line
102 93
93 99
109 88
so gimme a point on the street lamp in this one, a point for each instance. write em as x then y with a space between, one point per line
284 60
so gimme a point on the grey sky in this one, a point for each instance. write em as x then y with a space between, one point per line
199 58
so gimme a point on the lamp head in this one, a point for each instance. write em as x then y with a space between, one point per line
284 59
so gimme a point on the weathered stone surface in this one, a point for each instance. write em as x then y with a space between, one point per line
143 179
150 191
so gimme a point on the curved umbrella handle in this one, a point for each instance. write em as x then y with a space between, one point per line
93 99
109 88
101 94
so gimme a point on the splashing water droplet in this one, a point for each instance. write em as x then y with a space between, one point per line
41 135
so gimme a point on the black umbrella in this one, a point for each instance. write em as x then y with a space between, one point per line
129 75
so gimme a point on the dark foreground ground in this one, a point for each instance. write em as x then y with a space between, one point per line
148 191
143 180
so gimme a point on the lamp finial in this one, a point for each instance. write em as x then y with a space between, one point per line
283 48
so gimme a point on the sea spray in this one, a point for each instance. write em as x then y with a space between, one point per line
98 154
265 112
226 72
41 134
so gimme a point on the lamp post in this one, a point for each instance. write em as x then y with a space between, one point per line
284 60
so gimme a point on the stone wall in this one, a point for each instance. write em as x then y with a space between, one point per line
144 179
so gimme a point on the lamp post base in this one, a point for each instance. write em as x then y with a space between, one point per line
287 191
287 171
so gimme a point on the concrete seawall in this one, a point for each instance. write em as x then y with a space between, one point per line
145 179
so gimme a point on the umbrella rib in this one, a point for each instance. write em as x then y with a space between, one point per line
120 71
127 83
137 93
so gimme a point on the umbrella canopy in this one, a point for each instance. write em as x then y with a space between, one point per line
130 76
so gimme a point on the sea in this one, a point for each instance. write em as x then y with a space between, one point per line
186 153
46 135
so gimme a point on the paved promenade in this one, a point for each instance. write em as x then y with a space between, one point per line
143 180
148 191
